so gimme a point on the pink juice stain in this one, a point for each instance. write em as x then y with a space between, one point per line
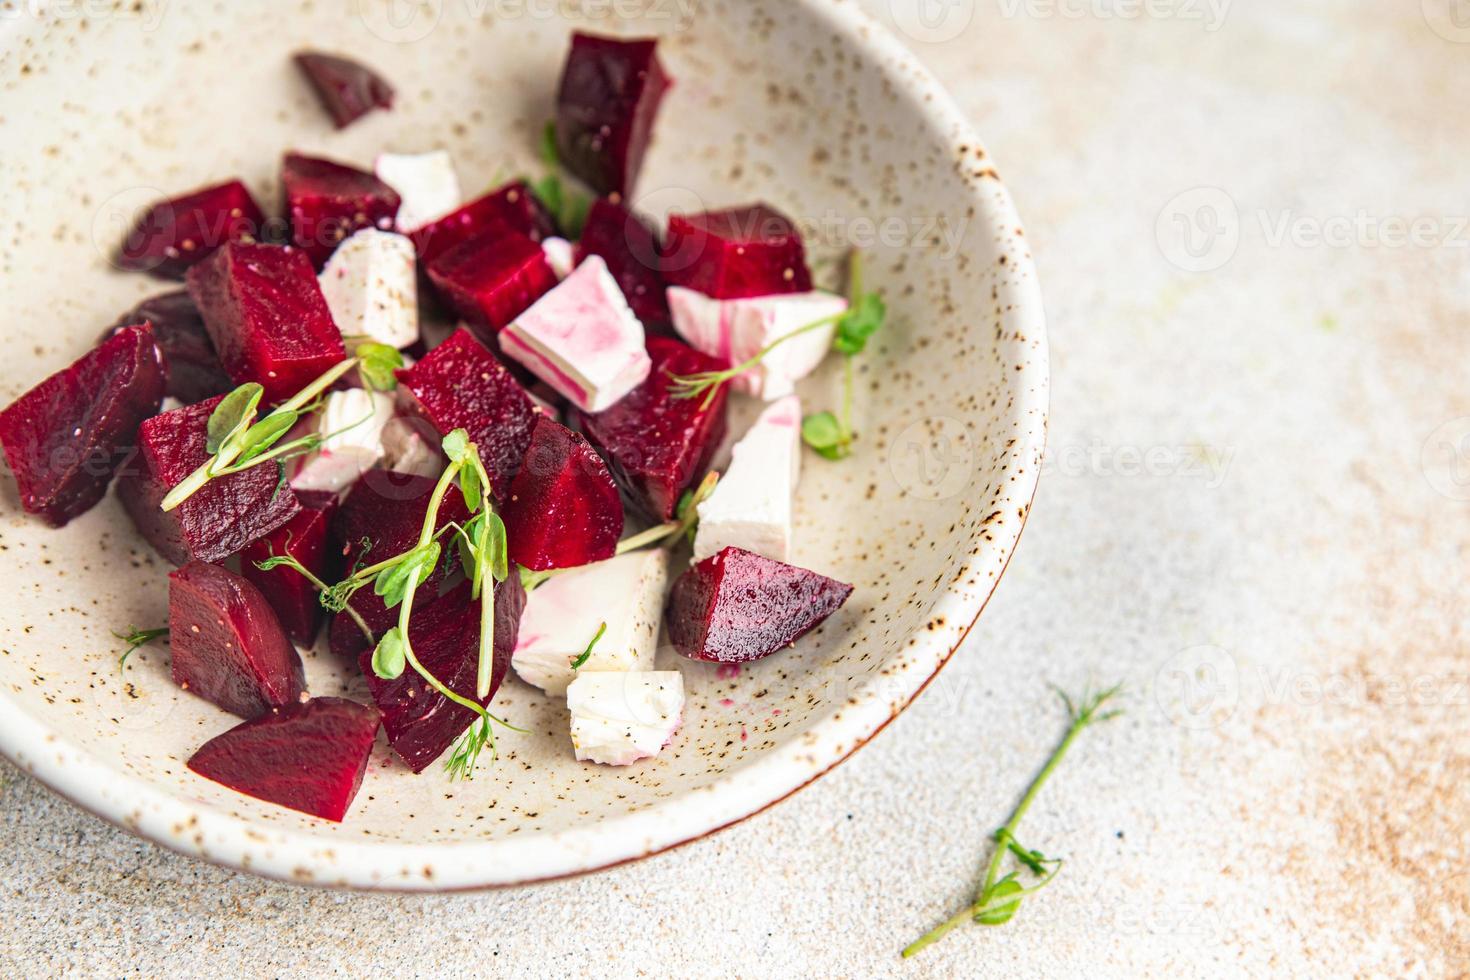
726 703
726 672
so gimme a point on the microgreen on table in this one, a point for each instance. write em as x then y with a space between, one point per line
136 638
236 440
828 434
999 896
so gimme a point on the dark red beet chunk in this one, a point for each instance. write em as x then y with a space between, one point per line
305 538
492 278
609 96
631 250
347 90
513 205
66 437
382 518
175 234
227 645
738 252
224 516
328 201
658 445
564 508
266 316
421 723
460 385
310 757
736 606
191 368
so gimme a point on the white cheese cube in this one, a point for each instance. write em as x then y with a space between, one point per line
619 718
561 255
408 449
426 184
371 286
751 505
563 614
738 329
353 420
582 339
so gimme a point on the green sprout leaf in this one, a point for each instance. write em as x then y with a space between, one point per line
495 548
378 362
136 638
456 445
469 487
415 566
586 654
862 319
263 435
389 658
992 916
550 155
824 434
232 416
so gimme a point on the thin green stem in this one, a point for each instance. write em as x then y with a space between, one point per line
975 911
708 382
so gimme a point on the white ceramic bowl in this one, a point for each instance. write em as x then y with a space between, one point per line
807 105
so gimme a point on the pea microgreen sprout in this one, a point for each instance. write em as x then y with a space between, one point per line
136 638
586 654
707 383
999 897
567 207
686 516
829 435
236 441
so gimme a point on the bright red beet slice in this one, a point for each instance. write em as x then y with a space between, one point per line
563 508
225 515
656 444
192 371
305 538
736 606
609 95
173 235
631 250
328 201
421 723
512 205
227 645
460 385
347 90
748 251
266 316
382 518
66 437
310 757
492 278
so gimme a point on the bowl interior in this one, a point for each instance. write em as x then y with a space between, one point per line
774 101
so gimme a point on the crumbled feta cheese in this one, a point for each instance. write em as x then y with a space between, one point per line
559 621
561 255
426 184
621 717
409 449
737 329
352 420
371 286
582 339
751 505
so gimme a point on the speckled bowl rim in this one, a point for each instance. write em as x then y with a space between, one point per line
194 829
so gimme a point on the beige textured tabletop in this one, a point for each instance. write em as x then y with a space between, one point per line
1251 225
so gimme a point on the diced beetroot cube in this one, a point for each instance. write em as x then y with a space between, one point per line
328 201
66 437
191 368
225 515
630 247
513 205
460 385
347 90
310 757
492 278
749 251
382 518
173 235
564 508
267 317
656 444
609 96
305 538
227 645
736 606
421 723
